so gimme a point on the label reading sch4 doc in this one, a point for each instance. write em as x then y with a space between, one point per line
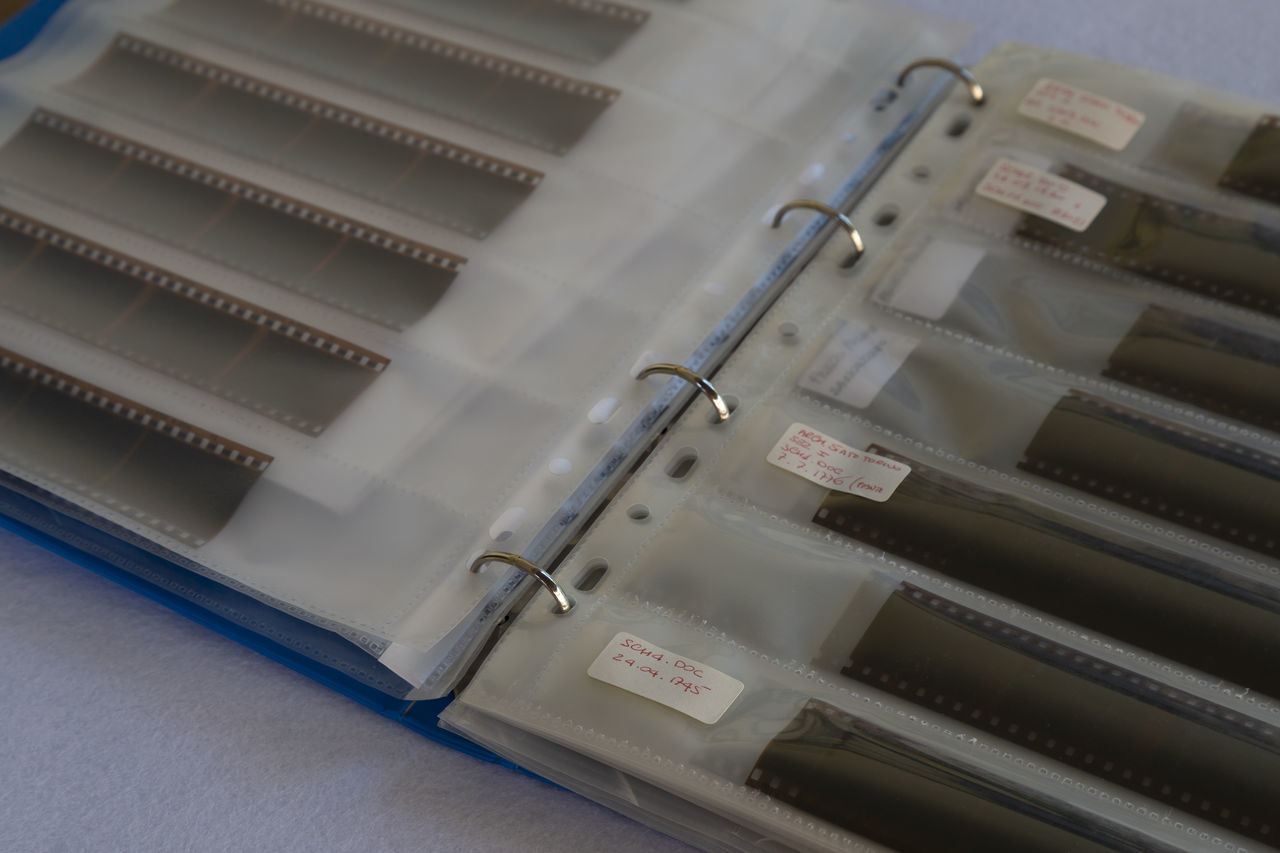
678 682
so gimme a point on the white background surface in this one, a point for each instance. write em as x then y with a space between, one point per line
126 727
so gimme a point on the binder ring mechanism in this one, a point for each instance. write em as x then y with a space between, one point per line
563 602
845 222
975 88
708 390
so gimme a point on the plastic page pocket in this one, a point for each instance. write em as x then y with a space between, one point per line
857 362
276 366
1235 260
1075 708
1237 152
1183 475
1184 608
689 687
176 478
522 102
322 254
895 790
588 31
454 186
1255 168
1209 364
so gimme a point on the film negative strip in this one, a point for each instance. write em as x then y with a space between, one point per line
176 478
454 186
1255 168
1188 477
298 375
1172 746
1201 362
360 269
589 30
1154 599
522 102
897 792
1234 260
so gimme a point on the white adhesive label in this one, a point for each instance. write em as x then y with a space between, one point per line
1050 197
1094 117
679 683
932 280
822 459
856 363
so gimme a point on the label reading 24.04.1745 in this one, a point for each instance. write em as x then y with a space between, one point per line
682 684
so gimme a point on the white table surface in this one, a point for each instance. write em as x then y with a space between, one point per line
125 727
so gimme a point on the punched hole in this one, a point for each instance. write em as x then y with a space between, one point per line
730 401
886 216
921 172
682 464
591 575
883 99
638 512
959 125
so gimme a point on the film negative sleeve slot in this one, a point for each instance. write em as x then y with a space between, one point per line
1184 609
588 30
523 102
1188 477
168 474
1201 362
1193 754
431 177
1255 168
1234 260
288 371
881 785
361 269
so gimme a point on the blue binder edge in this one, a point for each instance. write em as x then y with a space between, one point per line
24 26
35 521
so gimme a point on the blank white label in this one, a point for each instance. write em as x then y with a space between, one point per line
821 459
856 363
681 684
1094 117
1050 197
932 279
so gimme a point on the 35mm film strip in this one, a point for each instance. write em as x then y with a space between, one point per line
369 272
281 368
523 102
455 186
172 476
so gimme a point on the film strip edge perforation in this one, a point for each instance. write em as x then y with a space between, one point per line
607 10
297 100
215 299
123 407
450 50
248 191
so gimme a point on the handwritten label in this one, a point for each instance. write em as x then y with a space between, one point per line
823 460
679 683
1094 117
1039 193
856 363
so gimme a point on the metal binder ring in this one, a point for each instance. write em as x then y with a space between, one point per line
563 602
845 222
975 88
708 390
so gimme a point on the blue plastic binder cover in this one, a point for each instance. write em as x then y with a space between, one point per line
299 645
19 30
